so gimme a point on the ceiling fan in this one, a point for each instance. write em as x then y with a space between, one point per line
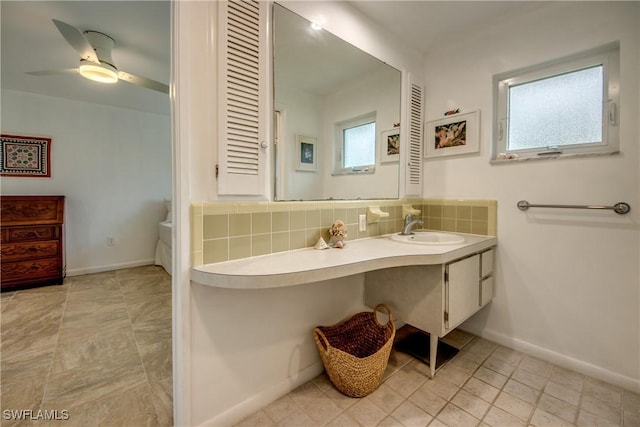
95 59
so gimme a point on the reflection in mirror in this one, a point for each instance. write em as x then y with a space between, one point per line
337 112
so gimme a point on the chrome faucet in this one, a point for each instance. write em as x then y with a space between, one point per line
409 222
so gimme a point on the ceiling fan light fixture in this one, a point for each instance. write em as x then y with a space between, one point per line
98 73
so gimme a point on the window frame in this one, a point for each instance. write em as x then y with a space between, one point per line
340 127
608 57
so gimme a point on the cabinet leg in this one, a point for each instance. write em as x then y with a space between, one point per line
433 351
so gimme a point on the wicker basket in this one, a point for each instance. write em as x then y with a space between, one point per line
355 352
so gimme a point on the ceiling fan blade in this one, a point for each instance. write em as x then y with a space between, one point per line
77 40
53 72
143 81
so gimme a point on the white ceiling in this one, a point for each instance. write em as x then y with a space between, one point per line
31 42
316 62
424 24
141 30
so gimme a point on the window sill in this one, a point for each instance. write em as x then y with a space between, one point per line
558 156
357 171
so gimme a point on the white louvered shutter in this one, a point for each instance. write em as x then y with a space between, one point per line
413 176
243 89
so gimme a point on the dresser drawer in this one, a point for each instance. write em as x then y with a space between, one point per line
30 233
29 250
27 270
22 210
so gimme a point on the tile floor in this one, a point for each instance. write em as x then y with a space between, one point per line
485 384
98 346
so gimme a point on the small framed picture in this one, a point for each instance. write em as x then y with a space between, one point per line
307 153
390 145
453 135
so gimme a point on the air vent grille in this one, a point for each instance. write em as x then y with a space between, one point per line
415 135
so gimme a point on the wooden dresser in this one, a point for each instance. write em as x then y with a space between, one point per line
32 241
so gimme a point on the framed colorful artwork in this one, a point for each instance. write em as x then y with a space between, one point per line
452 135
390 145
25 156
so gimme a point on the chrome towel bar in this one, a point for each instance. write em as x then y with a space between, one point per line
619 208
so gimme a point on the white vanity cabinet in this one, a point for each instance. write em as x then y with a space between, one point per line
409 278
434 298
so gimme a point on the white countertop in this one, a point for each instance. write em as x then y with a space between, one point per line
309 265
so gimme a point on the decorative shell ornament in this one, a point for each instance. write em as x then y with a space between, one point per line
321 244
338 233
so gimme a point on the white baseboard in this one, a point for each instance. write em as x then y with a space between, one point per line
628 383
242 410
109 267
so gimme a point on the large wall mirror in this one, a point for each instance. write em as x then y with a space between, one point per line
337 116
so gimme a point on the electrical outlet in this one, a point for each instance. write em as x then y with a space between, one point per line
111 241
362 222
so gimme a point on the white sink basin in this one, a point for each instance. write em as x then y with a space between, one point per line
429 238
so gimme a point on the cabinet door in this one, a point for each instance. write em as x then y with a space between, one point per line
462 290
244 110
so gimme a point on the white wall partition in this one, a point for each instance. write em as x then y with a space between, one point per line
567 283
112 164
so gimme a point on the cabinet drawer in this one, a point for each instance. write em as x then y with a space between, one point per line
30 269
29 250
31 233
486 263
486 290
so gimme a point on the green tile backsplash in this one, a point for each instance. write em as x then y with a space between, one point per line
225 231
